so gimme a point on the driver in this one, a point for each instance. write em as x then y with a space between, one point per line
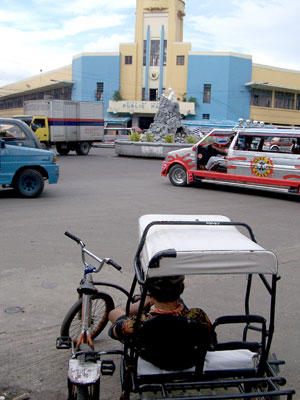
163 299
222 152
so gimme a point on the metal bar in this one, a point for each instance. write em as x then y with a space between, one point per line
113 286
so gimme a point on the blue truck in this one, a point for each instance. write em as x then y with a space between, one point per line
24 166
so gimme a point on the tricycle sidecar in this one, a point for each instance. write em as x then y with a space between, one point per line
239 368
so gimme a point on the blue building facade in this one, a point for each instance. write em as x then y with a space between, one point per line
96 77
217 82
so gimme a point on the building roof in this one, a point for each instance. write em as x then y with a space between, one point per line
270 86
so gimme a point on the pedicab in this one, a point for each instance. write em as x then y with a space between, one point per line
241 367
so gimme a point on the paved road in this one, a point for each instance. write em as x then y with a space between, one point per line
99 198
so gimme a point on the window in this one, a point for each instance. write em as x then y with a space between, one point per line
144 52
206 93
128 60
154 52
180 60
205 116
143 94
261 98
99 91
40 122
298 102
284 100
11 131
165 52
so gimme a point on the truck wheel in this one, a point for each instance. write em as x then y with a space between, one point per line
83 148
63 151
29 183
178 175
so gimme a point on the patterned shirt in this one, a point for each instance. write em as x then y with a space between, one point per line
124 325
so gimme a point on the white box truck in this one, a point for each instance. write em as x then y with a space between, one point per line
69 125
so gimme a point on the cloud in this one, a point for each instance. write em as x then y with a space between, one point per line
48 37
265 29
82 6
108 43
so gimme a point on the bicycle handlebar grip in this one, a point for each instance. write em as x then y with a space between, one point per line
114 264
73 237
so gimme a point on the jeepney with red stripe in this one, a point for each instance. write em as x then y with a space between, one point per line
248 160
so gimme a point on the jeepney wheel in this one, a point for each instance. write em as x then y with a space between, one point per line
28 183
178 175
83 148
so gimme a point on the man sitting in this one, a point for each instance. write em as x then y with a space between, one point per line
165 309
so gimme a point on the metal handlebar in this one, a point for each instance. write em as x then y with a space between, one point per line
99 260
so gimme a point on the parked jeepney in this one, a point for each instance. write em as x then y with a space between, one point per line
248 159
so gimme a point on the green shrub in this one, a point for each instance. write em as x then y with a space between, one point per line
149 138
117 96
193 100
191 139
134 137
169 139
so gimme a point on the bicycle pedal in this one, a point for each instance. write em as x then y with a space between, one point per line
63 342
107 367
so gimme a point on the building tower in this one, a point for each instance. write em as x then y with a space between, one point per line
158 58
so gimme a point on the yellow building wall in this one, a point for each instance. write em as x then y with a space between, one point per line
11 112
177 74
275 115
43 79
282 80
174 34
128 72
276 76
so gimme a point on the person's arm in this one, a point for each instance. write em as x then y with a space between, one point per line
120 322
221 150
133 309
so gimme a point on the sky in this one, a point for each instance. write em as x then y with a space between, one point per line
38 36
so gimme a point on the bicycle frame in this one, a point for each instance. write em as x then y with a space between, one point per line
85 366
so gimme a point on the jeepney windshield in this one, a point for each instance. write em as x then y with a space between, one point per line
218 137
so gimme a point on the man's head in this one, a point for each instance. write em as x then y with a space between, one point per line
167 288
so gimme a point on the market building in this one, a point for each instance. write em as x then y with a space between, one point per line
211 87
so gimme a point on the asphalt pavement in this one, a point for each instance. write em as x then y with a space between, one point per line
99 198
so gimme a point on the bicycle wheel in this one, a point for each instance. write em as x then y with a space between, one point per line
101 305
89 392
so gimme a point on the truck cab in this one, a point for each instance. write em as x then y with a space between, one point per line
25 169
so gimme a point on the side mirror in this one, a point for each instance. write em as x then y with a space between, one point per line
2 144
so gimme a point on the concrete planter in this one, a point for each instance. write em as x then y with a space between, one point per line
147 149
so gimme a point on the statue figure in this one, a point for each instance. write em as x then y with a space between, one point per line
172 96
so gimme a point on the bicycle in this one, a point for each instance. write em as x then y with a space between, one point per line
85 320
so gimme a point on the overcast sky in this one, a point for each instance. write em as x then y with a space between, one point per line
44 35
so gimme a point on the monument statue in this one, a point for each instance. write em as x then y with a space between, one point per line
167 121
172 96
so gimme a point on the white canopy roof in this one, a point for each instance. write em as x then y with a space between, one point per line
202 249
